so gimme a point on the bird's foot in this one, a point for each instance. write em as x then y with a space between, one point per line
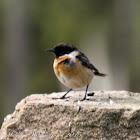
91 94
61 98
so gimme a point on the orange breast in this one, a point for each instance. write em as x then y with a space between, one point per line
59 66
75 76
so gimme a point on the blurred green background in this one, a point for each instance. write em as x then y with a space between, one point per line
108 32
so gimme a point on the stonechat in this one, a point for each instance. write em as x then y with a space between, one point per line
73 68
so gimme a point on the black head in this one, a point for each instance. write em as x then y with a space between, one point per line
62 49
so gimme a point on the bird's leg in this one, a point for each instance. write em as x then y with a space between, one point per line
85 94
65 94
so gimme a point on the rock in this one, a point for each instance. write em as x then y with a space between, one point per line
106 115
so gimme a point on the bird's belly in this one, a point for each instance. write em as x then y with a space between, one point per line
75 77
74 83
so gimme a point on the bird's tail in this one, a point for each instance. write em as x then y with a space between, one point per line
100 74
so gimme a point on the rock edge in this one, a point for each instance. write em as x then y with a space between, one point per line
106 115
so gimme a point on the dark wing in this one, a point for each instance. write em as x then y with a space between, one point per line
85 62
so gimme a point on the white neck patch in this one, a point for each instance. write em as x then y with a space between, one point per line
72 54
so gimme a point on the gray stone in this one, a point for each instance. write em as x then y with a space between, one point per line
106 115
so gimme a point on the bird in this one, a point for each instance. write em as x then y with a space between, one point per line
73 68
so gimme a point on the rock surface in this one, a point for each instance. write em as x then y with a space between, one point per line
106 115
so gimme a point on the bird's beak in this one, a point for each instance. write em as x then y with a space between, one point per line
50 50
